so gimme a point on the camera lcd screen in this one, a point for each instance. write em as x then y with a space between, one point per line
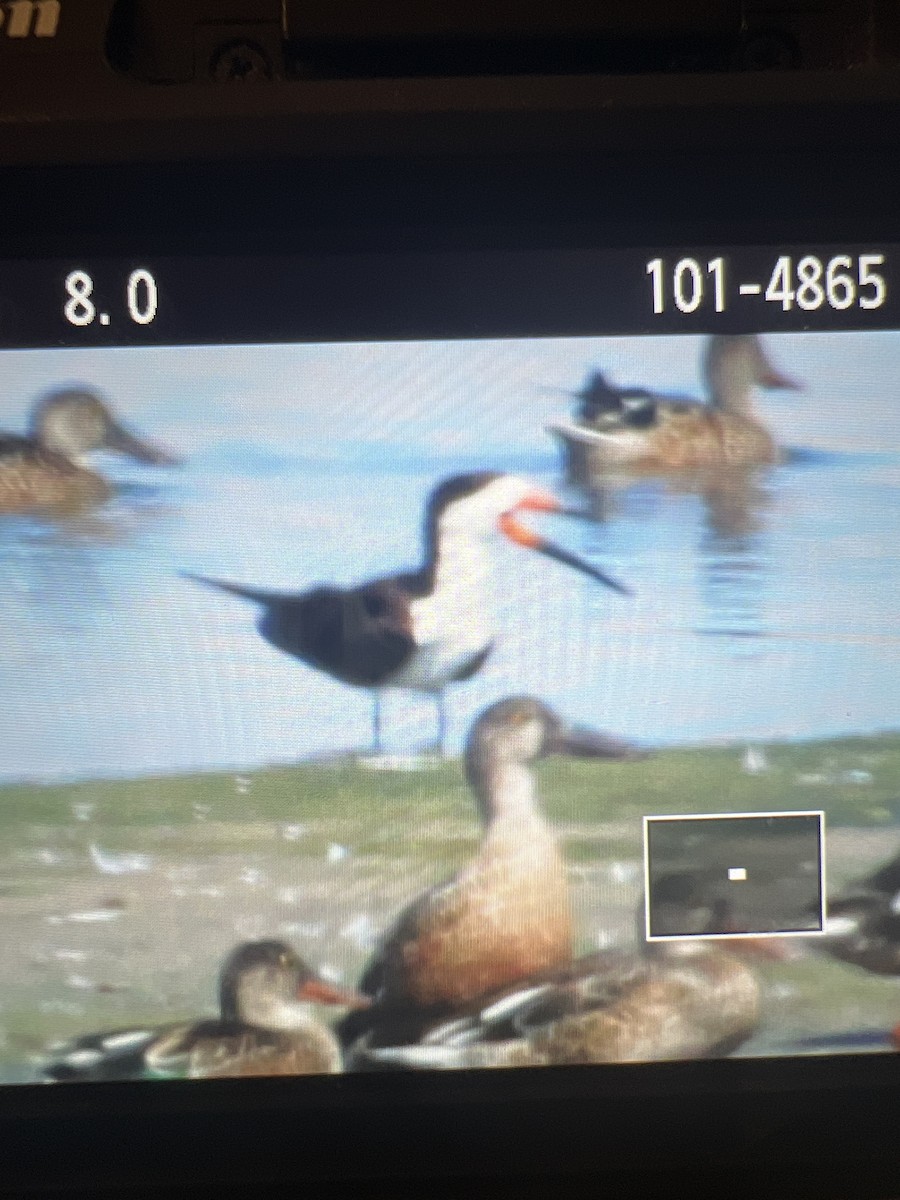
446 703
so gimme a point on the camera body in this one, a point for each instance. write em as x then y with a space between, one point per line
408 136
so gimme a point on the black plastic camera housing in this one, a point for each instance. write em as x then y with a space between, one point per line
210 129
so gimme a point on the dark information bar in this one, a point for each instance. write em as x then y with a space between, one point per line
358 297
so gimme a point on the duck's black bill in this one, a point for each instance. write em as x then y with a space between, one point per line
551 550
580 742
125 442
579 514
256 595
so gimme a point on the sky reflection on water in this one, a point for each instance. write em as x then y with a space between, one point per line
772 619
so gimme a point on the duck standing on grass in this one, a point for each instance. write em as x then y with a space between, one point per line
631 428
45 471
266 1027
504 915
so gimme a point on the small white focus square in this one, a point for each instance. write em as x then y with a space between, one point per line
692 864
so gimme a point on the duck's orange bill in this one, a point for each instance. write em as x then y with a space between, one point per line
320 992
894 1037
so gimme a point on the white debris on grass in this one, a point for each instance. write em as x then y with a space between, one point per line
337 853
83 810
858 777
755 761
304 929
80 983
48 858
67 1008
404 763
109 863
89 916
624 872
835 778
782 991
361 931
292 832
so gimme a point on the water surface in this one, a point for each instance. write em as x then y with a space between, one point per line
775 618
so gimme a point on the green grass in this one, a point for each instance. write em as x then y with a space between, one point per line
158 957
384 805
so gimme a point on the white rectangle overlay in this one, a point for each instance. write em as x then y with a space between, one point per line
731 937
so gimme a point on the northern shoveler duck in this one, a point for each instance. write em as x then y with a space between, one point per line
266 1027
632 428
862 925
45 470
676 1000
605 406
424 629
506 913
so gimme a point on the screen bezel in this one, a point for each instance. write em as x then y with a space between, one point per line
814 1118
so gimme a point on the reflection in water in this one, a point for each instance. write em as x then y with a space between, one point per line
731 553
61 572
733 560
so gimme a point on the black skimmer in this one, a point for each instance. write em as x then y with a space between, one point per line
424 629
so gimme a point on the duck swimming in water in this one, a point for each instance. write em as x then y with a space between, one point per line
632 428
45 470
505 914
266 1027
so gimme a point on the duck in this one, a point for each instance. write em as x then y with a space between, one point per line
506 913
633 429
425 629
603 405
862 925
45 470
686 998
266 1027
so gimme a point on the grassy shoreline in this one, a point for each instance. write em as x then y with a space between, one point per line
856 779
325 855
